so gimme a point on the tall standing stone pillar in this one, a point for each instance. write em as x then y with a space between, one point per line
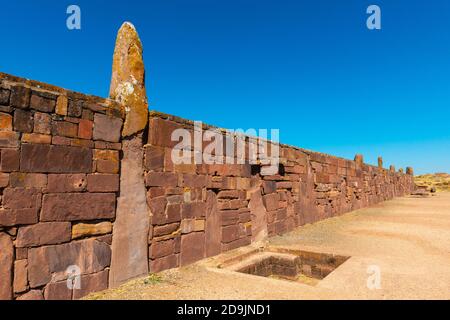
130 233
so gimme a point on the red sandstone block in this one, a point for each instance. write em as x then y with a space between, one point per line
192 248
20 97
62 183
228 194
28 180
230 233
92 283
161 249
85 129
106 161
154 158
36 138
75 108
107 145
23 121
160 132
229 217
103 182
14 217
165 263
40 158
64 129
78 206
161 179
107 128
21 198
193 210
91 255
43 102
271 201
5 122
154 192
10 160
194 181
20 276
44 234
236 244
4 97
9 139
164 230
4 180
32 295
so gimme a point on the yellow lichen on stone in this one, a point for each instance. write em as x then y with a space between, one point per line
128 79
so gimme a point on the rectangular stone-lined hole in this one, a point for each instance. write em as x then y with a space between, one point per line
292 265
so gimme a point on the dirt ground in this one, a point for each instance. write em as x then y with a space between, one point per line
403 243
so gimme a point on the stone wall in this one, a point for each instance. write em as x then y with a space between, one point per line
202 210
61 158
59 179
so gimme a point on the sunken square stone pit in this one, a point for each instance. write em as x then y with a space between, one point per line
286 264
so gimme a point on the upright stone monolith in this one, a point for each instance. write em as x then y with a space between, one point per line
380 162
130 234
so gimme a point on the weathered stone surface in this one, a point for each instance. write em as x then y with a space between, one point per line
5 122
161 179
4 97
10 160
154 158
193 210
164 263
78 206
192 248
192 225
20 97
106 161
9 139
64 129
32 295
271 201
6 266
167 229
55 159
20 206
258 216
42 123
213 226
62 183
61 105
23 121
107 128
43 234
92 283
43 103
230 233
128 79
75 108
161 249
85 129
103 182
4 179
131 228
36 138
58 291
21 198
82 230
20 276
90 256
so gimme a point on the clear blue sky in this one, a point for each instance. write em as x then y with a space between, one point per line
310 68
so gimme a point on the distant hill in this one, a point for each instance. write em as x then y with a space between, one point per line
441 181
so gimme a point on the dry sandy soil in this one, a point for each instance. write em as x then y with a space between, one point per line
407 239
